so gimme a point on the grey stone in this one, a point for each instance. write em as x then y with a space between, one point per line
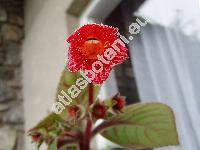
4 106
2 49
6 93
14 115
16 82
6 73
18 93
11 108
8 137
12 46
11 32
2 58
16 19
1 41
12 52
3 15
13 55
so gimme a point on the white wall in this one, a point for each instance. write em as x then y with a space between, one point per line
44 56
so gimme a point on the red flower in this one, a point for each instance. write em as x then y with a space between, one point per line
99 111
95 49
36 137
73 111
119 102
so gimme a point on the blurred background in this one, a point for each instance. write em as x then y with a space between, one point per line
164 63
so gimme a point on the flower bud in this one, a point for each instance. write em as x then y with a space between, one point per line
36 137
119 102
74 111
99 111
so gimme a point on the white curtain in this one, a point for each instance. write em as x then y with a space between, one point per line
167 69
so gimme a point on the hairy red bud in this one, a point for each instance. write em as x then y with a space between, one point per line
99 111
73 111
120 102
36 137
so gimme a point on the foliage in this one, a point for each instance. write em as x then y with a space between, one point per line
138 126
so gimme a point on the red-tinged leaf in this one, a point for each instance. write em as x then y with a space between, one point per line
49 121
47 129
141 126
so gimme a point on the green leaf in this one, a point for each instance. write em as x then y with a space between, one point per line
147 125
119 149
53 145
49 121
67 143
68 79
48 128
71 147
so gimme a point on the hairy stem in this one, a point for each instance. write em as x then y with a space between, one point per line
87 134
85 143
81 145
91 96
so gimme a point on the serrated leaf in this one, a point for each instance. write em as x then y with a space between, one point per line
48 128
141 126
48 121
68 79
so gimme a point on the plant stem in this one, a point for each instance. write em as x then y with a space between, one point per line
87 134
81 145
85 143
91 96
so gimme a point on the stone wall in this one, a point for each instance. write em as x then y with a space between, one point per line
11 110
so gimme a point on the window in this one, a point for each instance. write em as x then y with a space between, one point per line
124 73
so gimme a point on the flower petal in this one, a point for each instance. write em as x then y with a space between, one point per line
121 56
102 32
87 43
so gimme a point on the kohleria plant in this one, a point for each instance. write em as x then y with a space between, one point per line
95 50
